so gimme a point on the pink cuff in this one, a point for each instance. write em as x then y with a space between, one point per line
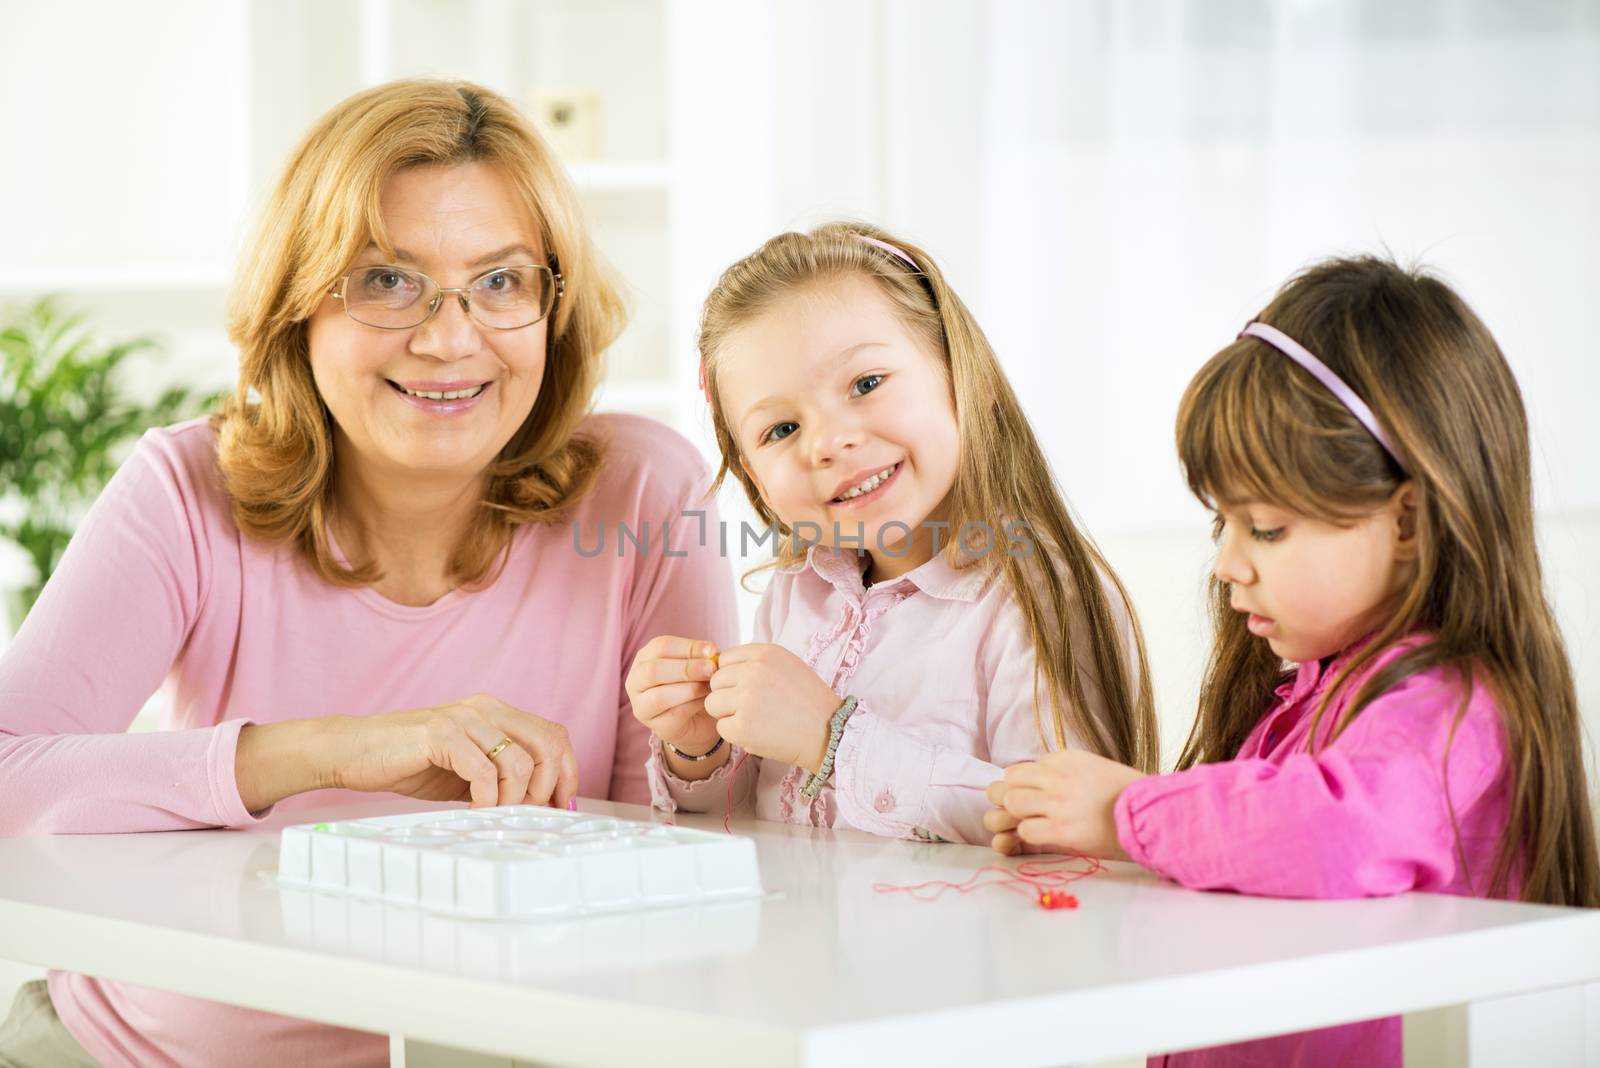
1128 826
221 755
668 793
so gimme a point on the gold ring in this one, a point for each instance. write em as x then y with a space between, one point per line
499 746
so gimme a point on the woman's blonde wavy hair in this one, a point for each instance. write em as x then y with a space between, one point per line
276 449
1002 476
1252 424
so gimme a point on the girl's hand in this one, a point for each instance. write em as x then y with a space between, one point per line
667 686
768 702
437 754
1061 802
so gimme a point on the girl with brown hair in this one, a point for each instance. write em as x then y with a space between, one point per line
935 614
1388 704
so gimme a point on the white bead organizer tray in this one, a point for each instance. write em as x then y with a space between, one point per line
517 862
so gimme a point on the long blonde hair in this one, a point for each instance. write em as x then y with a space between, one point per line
276 453
1002 475
1253 424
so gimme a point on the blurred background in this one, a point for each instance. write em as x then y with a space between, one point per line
1113 187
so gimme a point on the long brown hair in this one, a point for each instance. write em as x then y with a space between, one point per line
1253 424
1002 476
276 447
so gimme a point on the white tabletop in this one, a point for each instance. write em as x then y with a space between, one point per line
823 970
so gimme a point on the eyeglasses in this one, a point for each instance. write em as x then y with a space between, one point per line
393 298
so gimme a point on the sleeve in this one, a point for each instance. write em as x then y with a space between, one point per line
683 588
103 635
1373 813
892 780
668 793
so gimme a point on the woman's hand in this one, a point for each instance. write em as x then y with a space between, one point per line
768 702
437 754
667 687
1064 801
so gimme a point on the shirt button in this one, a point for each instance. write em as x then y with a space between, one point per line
884 802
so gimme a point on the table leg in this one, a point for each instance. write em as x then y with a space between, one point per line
1548 1027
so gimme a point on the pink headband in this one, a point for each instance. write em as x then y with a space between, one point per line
891 250
884 245
1321 371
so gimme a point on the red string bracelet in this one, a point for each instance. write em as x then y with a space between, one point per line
1045 880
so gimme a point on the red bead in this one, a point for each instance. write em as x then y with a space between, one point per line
1050 900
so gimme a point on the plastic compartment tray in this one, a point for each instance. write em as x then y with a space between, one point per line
517 862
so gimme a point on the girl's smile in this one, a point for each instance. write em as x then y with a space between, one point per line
863 492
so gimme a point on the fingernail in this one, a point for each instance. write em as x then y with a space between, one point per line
572 806
708 650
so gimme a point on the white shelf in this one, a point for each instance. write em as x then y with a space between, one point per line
621 176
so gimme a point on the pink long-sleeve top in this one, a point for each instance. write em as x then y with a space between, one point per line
1375 811
943 667
158 584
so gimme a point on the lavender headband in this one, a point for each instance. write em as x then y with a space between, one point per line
1321 371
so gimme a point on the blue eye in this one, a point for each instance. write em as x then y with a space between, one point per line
1274 534
777 432
866 384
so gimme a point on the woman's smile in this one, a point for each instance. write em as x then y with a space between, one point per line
441 398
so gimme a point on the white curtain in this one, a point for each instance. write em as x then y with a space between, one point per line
1117 186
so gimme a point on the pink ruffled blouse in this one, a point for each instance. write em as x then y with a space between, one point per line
943 667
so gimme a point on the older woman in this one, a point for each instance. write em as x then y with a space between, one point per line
362 573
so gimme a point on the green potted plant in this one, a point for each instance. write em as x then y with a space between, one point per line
66 420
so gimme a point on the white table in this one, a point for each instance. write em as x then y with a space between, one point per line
822 971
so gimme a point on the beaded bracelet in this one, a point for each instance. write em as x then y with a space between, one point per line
813 785
690 756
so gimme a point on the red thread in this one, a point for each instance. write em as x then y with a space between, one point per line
1044 880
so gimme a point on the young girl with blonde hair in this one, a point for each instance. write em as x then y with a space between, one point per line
1388 704
935 615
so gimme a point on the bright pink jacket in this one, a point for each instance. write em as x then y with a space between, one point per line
1369 814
